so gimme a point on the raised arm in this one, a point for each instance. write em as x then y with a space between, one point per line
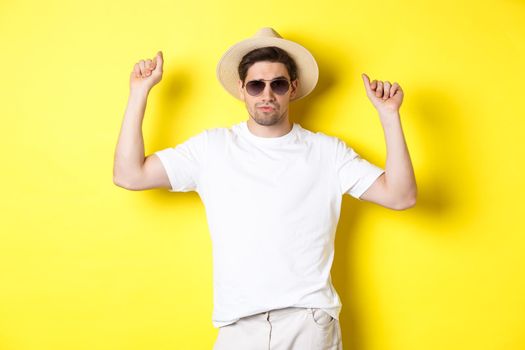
396 188
131 170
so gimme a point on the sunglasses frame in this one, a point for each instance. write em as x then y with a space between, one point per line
265 84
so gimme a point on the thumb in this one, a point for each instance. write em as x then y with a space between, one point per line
367 83
159 60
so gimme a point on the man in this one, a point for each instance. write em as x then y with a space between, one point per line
272 192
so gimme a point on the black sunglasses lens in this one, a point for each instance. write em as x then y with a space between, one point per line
255 87
279 86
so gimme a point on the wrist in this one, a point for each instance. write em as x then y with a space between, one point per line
389 118
138 92
389 113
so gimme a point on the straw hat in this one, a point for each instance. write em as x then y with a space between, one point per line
307 69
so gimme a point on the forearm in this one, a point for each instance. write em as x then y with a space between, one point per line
399 173
129 153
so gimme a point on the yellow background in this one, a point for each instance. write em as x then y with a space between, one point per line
85 264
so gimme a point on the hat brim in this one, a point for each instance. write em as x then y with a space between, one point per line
307 69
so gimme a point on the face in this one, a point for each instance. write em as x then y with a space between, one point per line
267 71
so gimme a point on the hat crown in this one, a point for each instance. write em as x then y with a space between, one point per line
267 32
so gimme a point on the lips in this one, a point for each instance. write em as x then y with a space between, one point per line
266 108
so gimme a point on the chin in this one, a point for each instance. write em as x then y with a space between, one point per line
263 121
267 120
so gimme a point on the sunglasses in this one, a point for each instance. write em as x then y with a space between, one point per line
279 86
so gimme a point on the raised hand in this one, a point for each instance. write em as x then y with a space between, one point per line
385 97
146 73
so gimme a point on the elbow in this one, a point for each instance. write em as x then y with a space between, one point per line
129 179
405 203
117 181
120 182
124 178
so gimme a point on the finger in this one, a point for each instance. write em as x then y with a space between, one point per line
374 85
394 88
399 89
367 83
142 68
379 90
148 67
153 64
386 90
136 70
159 60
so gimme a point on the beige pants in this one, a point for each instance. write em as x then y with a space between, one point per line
291 328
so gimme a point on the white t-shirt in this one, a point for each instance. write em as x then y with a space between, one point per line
272 206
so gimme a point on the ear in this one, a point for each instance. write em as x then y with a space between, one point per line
241 91
294 85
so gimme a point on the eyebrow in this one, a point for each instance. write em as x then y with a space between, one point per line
279 77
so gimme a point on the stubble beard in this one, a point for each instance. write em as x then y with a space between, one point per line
267 119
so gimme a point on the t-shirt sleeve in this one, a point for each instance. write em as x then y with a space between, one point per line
355 174
184 163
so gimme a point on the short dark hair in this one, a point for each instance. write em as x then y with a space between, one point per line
268 53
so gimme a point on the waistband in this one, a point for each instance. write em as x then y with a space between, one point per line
276 314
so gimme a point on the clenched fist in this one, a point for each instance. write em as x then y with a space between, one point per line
146 73
385 97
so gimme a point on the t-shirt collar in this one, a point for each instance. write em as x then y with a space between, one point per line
268 140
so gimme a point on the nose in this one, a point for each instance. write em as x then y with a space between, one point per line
267 94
